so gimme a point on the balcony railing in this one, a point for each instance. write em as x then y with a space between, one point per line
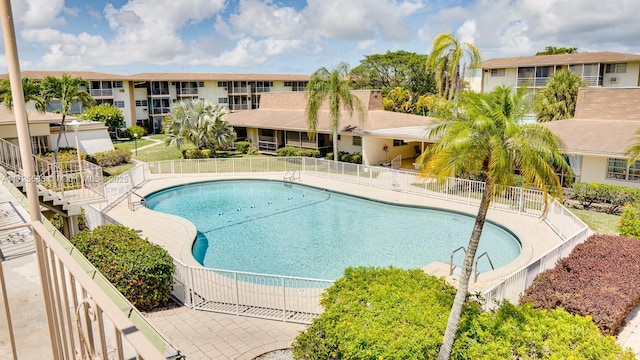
101 92
262 89
593 80
157 92
238 106
534 81
160 110
187 91
269 146
238 90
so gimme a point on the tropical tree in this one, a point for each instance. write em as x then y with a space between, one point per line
199 122
32 93
67 90
398 100
558 100
331 86
633 150
552 50
450 59
106 113
487 135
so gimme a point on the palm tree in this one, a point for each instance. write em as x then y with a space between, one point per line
633 151
450 59
199 122
32 92
398 100
331 85
66 90
487 135
558 100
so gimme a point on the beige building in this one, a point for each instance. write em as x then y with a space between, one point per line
597 137
146 98
599 69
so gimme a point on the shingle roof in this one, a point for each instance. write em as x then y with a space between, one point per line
286 111
90 75
560 59
605 121
7 116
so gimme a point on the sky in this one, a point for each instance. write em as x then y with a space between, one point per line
298 37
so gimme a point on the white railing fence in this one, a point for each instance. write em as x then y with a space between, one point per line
89 318
266 296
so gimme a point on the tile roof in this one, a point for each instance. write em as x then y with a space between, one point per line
286 111
90 75
604 124
561 59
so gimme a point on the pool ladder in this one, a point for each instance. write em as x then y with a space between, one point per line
131 203
476 272
290 176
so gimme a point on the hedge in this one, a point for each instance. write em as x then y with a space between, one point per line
373 313
112 157
294 151
630 220
595 193
522 332
141 271
600 278
355 158
242 146
198 154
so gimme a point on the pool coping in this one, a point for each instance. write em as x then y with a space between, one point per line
177 234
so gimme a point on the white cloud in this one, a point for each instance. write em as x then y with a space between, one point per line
71 11
362 19
467 32
37 14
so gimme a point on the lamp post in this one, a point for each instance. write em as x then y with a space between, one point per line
75 125
135 142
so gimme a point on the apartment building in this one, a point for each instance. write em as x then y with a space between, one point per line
600 69
146 98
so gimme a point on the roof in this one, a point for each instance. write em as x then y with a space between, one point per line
286 111
560 59
90 75
604 123
34 116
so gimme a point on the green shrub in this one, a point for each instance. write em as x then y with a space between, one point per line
614 195
630 220
198 154
253 151
243 146
521 332
141 271
355 158
65 154
294 151
600 278
112 157
135 129
373 313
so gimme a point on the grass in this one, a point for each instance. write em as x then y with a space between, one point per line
160 152
112 171
131 145
158 136
599 222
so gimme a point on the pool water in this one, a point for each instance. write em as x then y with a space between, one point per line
268 227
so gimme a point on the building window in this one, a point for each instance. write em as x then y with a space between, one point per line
140 85
140 103
222 84
117 84
619 169
397 142
287 83
616 68
118 104
498 72
223 100
357 141
200 83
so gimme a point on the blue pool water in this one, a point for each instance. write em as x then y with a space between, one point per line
266 227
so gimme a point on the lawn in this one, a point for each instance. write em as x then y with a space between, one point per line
158 136
131 144
112 171
160 152
599 222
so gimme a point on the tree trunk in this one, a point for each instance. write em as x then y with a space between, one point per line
60 133
335 145
467 268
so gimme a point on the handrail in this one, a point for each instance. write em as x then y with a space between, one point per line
292 177
476 273
451 267
132 204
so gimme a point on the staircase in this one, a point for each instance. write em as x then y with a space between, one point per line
62 187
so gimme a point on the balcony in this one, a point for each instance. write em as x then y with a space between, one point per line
159 92
160 110
238 107
187 91
593 80
262 89
101 92
533 81
238 90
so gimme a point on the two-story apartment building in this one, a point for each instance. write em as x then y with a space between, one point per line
146 98
601 69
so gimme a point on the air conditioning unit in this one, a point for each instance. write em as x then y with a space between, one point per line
144 109
613 80
121 90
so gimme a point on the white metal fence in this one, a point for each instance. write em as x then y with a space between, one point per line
297 299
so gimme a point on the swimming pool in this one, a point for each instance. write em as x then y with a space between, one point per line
271 227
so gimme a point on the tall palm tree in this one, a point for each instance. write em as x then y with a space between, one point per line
200 123
66 90
331 85
487 135
450 60
633 151
558 100
32 93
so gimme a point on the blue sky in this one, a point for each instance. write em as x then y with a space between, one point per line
290 36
